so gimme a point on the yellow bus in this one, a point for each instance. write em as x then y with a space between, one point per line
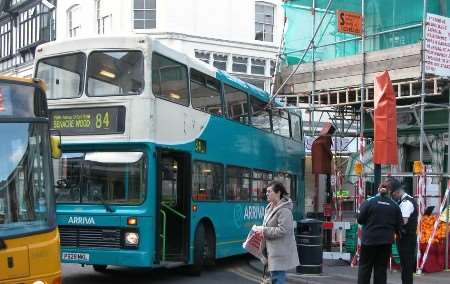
29 238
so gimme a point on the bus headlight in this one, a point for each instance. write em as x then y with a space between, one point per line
39 282
131 239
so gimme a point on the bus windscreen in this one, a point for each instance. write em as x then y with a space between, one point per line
16 101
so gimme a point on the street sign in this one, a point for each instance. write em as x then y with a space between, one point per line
349 22
437 45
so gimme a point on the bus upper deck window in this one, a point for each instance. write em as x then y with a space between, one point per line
63 75
115 73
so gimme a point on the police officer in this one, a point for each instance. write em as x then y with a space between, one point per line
380 218
407 242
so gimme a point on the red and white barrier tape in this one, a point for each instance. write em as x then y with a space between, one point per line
435 226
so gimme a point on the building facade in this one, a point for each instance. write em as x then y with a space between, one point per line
334 69
241 37
24 24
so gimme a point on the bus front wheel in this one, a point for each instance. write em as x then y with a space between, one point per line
202 250
99 268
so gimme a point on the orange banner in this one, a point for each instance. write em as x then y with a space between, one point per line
385 121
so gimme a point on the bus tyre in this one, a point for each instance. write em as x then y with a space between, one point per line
99 268
202 247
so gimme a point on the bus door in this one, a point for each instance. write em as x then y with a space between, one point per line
173 194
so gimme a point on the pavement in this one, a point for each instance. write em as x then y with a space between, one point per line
337 272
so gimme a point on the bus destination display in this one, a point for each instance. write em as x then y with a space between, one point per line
88 121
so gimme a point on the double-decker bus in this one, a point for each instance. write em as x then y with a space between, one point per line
165 158
29 239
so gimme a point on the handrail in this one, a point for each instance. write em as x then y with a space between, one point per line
163 235
173 210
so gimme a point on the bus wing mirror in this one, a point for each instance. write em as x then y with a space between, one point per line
55 145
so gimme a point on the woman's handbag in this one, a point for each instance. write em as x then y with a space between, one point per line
266 276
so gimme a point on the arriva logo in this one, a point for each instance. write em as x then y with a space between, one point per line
81 220
254 212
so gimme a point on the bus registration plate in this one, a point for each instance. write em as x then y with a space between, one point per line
75 256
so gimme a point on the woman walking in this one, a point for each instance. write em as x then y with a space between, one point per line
278 232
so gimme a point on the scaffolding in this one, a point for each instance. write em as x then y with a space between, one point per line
331 76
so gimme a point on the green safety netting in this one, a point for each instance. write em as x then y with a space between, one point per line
389 23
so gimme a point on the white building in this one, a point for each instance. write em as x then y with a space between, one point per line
239 36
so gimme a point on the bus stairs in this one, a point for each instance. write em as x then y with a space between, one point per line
169 259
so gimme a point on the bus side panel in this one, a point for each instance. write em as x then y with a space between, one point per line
231 226
233 220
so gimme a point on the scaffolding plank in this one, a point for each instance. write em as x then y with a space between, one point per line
355 80
351 70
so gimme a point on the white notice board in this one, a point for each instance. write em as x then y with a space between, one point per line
437 45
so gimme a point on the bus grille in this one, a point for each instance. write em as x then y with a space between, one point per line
72 236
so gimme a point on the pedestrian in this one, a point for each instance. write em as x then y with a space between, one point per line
380 218
278 232
407 241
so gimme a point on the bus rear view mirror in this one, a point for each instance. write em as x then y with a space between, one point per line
55 145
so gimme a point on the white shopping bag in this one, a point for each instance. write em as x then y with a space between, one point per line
254 244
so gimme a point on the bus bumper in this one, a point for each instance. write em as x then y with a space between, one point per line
131 258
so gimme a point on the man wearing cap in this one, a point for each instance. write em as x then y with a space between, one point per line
407 241
380 218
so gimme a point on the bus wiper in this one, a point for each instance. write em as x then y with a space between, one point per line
105 204
2 244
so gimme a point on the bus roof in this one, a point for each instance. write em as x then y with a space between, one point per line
143 41
244 86
85 43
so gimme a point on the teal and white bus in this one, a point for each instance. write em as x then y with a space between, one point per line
165 158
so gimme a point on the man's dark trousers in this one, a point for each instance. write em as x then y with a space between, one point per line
374 257
406 250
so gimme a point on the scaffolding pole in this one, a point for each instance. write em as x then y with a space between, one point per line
448 184
421 180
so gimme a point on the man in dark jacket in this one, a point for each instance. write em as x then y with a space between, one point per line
408 238
380 218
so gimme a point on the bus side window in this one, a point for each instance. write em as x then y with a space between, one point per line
238 184
207 181
290 183
260 116
205 93
260 180
237 104
296 127
280 122
169 80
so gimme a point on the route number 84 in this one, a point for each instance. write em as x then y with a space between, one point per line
102 120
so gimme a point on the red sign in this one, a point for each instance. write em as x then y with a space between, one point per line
327 225
349 22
